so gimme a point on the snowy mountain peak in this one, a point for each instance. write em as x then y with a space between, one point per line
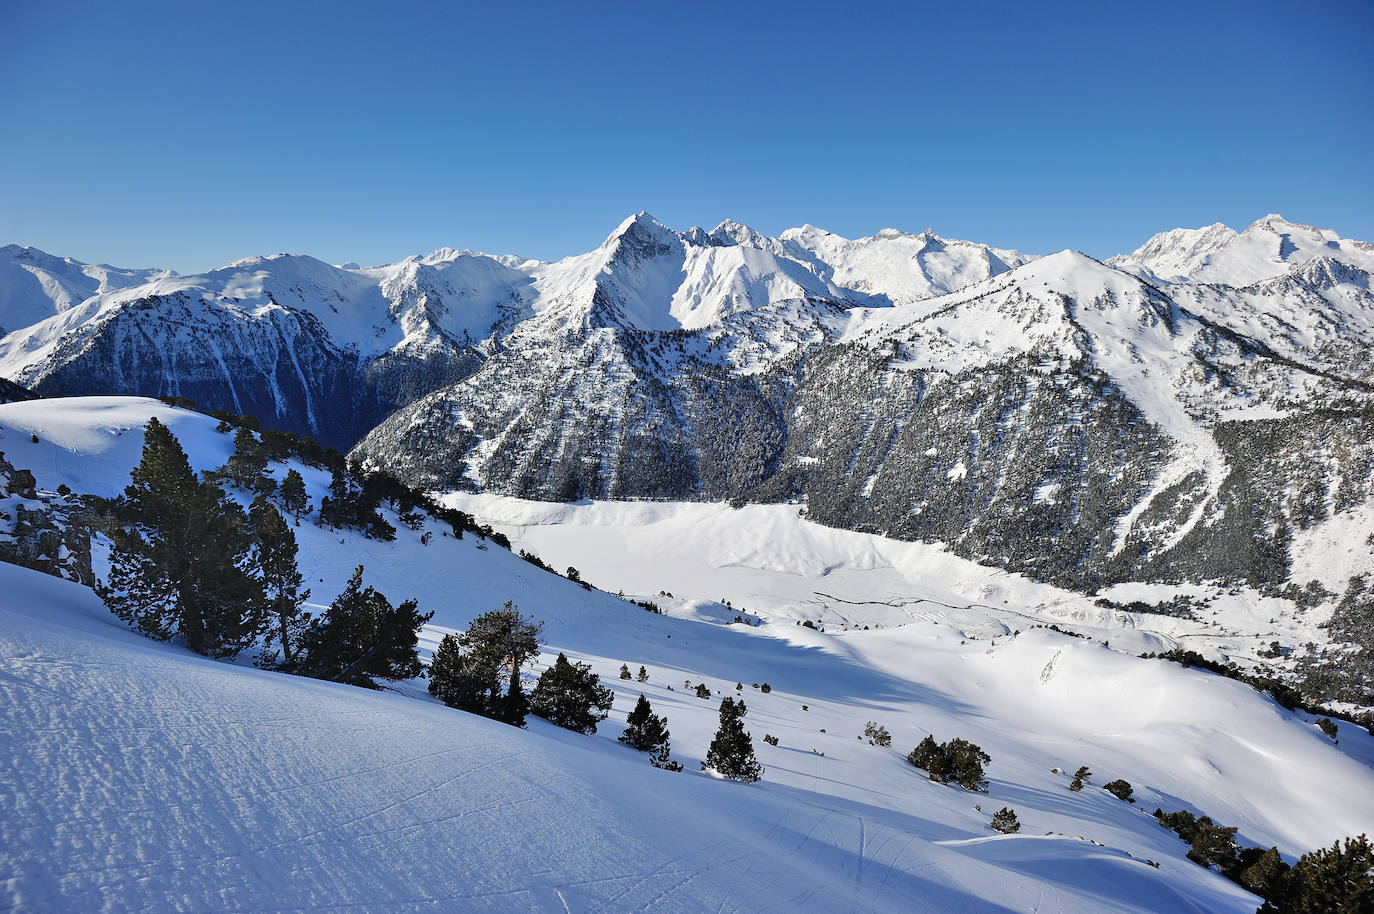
1269 247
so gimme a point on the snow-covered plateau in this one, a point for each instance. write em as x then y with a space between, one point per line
135 775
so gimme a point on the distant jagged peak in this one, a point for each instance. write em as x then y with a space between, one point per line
1270 246
731 232
1275 223
639 228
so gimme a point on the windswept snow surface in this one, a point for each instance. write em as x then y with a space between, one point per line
135 776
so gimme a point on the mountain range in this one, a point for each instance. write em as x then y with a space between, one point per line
1188 411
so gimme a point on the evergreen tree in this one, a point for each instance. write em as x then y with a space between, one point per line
461 680
645 730
731 753
1079 776
1332 880
1120 789
339 509
467 670
571 696
958 760
247 467
624 671
275 559
1005 821
643 674
1260 871
362 637
179 563
293 495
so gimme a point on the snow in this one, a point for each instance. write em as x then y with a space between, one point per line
1269 247
134 775
35 285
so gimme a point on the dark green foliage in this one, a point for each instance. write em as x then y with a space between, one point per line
957 761
247 466
571 696
765 688
1212 844
643 674
1079 776
459 682
274 557
770 739
1334 880
1259 871
702 691
362 637
731 753
877 734
1005 821
467 670
660 759
1120 789
624 671
293 495
1328 726
181 557
645 730
352 505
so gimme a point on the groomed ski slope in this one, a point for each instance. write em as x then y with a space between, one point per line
136 776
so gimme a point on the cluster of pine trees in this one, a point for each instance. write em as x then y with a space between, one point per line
188 561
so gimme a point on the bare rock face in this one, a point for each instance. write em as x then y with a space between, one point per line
46 531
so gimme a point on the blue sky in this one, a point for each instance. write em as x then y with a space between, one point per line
190 134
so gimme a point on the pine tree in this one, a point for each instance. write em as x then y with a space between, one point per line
339 509
505 640
645 730
731 753
293 495
180 557
275 558
1120 789
643 674
463 681
362 637
247 467
571 696
1330 880
624 671
1005 821
1079 776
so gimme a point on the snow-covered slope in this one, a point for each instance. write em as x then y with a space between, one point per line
1269 247
35 285
136 776
898 268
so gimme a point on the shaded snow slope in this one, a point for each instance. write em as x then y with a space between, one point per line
138 777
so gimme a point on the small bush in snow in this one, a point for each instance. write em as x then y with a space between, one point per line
958 761
1120 789
877 734
1005 821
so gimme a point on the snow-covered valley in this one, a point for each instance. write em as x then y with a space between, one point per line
137 776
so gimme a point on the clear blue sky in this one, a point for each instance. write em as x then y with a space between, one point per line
188 134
